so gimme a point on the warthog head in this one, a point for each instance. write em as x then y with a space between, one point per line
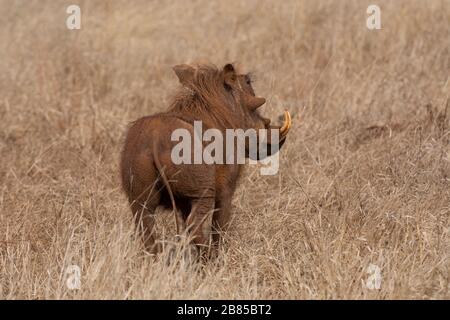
227 99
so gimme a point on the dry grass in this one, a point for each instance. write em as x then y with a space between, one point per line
364 177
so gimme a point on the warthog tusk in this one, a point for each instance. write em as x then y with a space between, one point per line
286 125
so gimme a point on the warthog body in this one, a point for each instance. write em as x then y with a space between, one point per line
200 194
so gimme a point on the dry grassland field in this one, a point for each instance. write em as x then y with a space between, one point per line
359 208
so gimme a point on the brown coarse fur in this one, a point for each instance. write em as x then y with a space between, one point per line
199 194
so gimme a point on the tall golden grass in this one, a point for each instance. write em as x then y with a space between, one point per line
364 177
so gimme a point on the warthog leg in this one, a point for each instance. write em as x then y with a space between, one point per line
199 221
221 217
145 221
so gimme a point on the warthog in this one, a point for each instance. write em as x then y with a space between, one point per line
199 194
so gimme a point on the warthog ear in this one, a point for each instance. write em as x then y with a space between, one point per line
229 74
185 74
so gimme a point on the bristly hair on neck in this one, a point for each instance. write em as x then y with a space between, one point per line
207 99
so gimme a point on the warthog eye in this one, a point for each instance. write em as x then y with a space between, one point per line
248 80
